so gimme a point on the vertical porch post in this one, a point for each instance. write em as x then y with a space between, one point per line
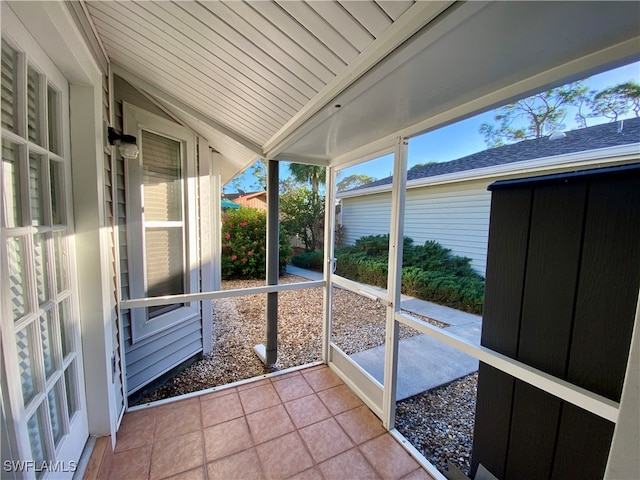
209 205
626 436
216 217
329 246
273 261
394 282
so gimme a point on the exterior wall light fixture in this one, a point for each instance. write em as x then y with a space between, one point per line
127 144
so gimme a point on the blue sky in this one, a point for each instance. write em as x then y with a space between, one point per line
463 138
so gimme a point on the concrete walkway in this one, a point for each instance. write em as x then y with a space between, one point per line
302 272
423 363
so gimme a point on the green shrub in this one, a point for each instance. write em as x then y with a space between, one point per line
429 271
244 244
361 269
462 293
309 260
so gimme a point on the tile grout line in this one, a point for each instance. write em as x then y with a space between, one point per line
333 416
281 403
297 430
204 446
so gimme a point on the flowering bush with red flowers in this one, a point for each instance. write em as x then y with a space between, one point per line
244 233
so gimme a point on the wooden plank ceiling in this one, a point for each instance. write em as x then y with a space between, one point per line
321 81
248 67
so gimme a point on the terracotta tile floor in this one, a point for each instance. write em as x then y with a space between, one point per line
303 425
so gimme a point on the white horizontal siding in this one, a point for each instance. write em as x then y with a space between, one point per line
146 362
152 357
367 215
455 216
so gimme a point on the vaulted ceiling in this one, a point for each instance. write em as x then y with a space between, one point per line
315 80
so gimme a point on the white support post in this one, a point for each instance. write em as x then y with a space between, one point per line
206 234
329 246
216 225
394 282
624 461
92 254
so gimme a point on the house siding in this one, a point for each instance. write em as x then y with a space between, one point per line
150 358
366 215
456 216
456 219
110 224
454 209
258 203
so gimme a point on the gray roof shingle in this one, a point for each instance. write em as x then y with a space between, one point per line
590 138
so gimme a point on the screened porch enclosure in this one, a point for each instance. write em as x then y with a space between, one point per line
368 131
207 88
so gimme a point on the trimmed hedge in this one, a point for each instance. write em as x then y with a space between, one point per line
309 260
429 271
462 293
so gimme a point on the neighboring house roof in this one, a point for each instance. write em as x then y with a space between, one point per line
249 199
226 203
245 195
591 138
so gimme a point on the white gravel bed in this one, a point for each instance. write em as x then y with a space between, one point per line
239 325
438 423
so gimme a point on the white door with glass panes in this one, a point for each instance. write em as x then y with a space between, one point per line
42 371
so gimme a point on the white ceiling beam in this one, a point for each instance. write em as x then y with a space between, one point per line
87 28
615 55
416 17
376 149
162 95
322 162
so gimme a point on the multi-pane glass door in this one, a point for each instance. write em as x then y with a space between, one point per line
40 332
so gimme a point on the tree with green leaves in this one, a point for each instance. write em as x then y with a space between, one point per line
257 171
533 117
303 209
542 114
313 174
302 212
352 181
614 102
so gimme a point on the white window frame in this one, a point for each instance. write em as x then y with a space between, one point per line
135 121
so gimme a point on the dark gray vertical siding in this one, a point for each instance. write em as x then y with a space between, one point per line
152 357
562 283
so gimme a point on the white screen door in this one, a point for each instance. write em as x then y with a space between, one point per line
42 364
361 362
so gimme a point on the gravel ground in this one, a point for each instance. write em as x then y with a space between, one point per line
438 423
